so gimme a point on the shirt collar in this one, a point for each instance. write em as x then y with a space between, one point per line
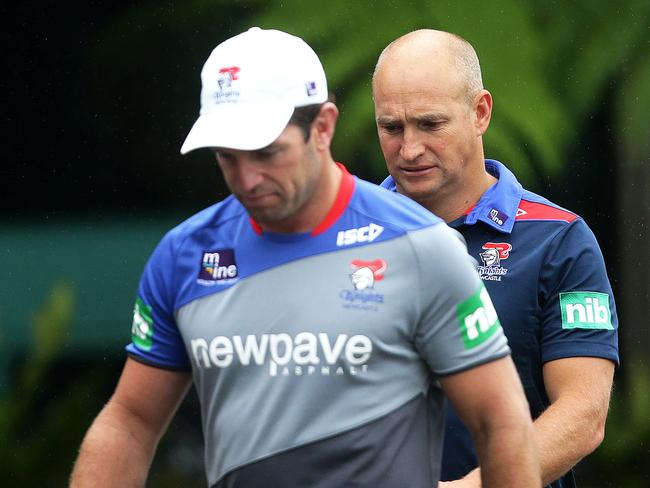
497 207
343 196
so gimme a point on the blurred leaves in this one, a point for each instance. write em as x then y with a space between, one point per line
25 437
50 326
545 67
621 461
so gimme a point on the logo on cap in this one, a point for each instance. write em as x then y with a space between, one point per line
226 92
226 76
311 88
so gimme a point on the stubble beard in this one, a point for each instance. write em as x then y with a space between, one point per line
288 207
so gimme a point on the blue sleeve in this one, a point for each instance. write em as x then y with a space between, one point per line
577 305
155 337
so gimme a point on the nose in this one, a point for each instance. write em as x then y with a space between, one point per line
411 148
244 176
249 177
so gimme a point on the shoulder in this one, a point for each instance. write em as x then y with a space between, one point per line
553 220
393 209
533 207
223 214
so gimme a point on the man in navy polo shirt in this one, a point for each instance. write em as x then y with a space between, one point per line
541 263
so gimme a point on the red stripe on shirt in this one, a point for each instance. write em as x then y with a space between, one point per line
542 211
346 188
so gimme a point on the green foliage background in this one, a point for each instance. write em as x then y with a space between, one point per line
554 68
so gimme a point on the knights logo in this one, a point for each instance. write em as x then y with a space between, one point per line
364 276
227 76
366 273
492 255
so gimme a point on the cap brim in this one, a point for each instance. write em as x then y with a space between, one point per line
238 126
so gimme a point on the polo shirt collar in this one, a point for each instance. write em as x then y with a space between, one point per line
497 207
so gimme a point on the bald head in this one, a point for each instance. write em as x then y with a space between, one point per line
433 54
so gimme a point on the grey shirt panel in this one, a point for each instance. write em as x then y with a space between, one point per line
442 280
308 350
352 459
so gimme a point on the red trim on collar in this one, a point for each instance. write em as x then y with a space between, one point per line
467 212
346 188
256 227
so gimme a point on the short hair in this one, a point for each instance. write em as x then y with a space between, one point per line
461 52
303 118
468 64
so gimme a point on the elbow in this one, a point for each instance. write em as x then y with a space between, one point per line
595 437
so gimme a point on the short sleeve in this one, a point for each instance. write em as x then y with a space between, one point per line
458 327
155 337
577 305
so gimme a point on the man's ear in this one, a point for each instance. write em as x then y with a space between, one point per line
322 130
483 111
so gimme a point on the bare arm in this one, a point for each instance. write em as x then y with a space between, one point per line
491 402
574 424
119 446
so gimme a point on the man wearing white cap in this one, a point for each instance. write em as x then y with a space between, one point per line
307 375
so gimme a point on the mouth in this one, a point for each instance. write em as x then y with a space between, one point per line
417 170
255 200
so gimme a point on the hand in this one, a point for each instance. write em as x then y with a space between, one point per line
462 483
471 480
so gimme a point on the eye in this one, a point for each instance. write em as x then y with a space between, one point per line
224 157
392 128
267 153
430 125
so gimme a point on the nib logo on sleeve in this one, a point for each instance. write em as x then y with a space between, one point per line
142 328
585 310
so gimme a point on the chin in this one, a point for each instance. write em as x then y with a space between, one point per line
417 192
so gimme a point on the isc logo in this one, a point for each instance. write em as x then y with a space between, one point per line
367 233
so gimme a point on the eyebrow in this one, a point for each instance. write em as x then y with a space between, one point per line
387 120
431 117
426 117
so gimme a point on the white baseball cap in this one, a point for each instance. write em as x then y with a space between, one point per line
251 84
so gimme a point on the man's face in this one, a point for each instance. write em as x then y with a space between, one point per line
273 183
426 129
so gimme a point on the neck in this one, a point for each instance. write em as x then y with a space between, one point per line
453 203
316 207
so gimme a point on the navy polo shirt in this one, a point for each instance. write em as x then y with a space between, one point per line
546 276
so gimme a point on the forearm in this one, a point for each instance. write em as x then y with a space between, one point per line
565 434
115 452
508 457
